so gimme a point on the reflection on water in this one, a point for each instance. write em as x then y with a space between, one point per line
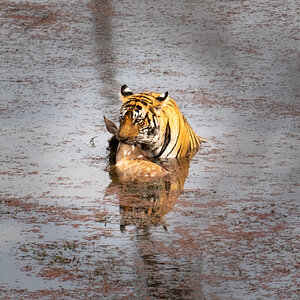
164 276
106 65
145 204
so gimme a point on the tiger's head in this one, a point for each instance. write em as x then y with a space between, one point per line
139 117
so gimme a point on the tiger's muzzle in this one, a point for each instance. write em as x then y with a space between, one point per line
128 132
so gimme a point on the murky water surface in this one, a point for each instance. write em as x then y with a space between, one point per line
69 230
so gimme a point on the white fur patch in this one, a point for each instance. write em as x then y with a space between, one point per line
127 90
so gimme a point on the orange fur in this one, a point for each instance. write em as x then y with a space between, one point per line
155 122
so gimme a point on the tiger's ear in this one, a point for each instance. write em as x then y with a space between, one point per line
125 92
162 97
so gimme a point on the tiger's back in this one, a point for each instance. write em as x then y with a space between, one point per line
155 122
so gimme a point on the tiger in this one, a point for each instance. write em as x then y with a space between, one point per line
155 122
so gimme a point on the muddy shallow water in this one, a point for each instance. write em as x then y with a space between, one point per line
69 230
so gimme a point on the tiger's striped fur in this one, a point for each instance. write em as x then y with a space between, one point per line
155 122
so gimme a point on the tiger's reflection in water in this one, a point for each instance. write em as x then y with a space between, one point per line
144 203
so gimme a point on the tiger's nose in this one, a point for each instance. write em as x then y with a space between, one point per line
122 136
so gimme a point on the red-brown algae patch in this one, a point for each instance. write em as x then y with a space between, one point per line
61 273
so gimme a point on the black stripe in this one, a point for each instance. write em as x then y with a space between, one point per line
147 117
136 103
127 105
178 151
166 141
174 146
152 110
191 138
144 100
146 103
176 142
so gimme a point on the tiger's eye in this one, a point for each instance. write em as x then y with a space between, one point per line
139 121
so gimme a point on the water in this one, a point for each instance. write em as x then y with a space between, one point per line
68 230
